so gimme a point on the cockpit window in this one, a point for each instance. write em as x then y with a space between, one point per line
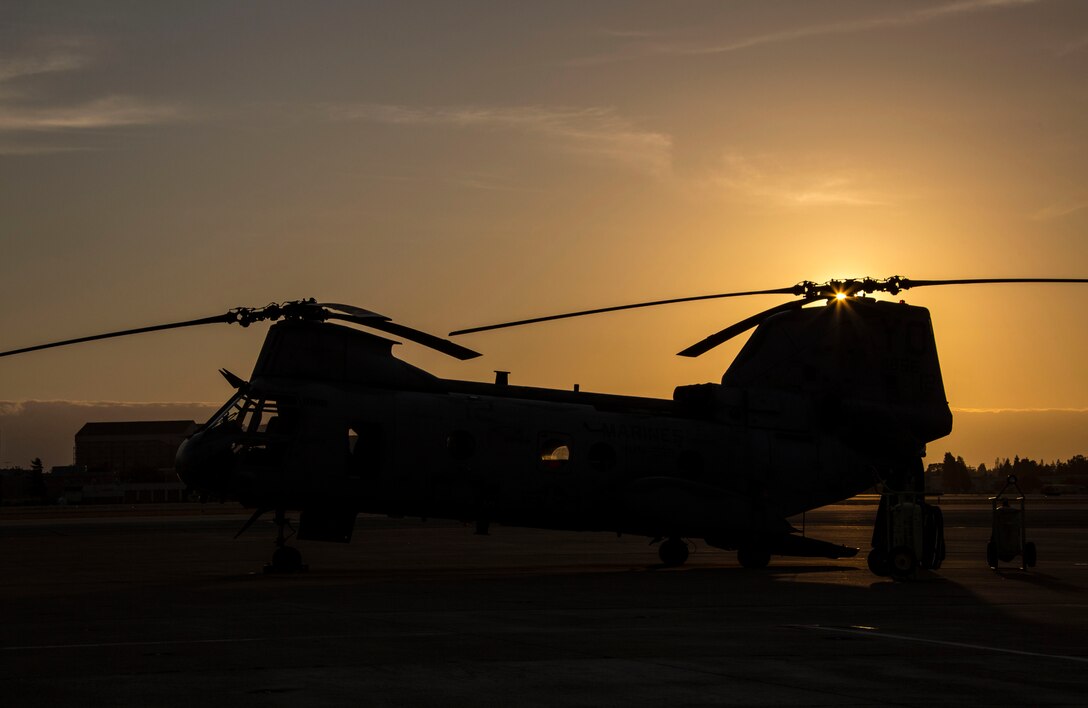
228 412
250 415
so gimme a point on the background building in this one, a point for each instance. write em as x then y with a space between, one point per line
139 450
127 462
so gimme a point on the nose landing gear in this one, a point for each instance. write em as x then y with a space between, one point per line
285 559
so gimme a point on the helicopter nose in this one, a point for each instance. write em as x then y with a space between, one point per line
205 464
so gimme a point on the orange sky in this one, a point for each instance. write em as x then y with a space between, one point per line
453 164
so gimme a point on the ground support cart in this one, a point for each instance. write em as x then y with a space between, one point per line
908 535
1008 533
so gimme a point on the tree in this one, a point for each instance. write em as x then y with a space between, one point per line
954 474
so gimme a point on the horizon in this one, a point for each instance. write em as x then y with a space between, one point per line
46 429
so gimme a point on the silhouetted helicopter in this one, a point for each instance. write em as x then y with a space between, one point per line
821 403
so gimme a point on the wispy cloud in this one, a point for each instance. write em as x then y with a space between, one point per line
106 112
27 110
804 184
12 407
1057 211
602 133
594 131
1020 410
695 47
45 58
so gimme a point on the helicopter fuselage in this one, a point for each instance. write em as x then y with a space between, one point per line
332 425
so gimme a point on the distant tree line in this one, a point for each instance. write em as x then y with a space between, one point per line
1032 475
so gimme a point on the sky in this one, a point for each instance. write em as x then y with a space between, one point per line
455 164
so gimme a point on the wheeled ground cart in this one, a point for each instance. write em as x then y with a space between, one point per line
908 535
1008 534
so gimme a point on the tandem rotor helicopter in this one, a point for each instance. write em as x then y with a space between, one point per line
820 404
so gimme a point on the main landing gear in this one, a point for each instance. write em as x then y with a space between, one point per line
285 559
753 557
673 552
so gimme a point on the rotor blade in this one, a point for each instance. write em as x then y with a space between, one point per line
227 317
352 310
907 283
428 340
744 325
792 290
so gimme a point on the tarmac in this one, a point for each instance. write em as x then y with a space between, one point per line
161 606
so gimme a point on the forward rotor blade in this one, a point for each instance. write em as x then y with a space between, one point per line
428 340
907 283
227 317
700 348
792 290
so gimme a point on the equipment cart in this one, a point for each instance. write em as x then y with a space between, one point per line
1008 535
908 535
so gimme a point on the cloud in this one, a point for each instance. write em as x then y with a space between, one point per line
47 57
594 131
602 133
27 109
841 27
1057 211
107 112
12 407
1020 410
798 185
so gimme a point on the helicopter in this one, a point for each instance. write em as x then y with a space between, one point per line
834 392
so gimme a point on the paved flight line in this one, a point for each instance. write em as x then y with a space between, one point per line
873 632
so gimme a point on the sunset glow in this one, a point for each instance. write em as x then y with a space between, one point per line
452 165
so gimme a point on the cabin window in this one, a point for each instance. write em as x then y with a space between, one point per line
555 452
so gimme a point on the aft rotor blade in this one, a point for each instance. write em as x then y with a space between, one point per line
907 283
428 340
352 310
744 325
227 317
792 290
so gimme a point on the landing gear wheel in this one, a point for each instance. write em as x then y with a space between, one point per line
286 559
878 564
1030 554
673 552
753 557
902 563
